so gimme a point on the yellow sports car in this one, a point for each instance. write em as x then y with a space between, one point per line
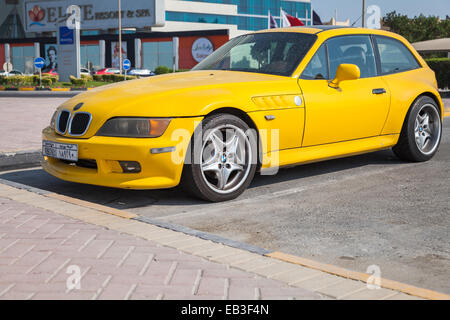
262 101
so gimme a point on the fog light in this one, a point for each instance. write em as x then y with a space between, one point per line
130 166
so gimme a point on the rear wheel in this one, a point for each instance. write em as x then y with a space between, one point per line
222 159
421 132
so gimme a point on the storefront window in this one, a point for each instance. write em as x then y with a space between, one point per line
90 56
22 59
156 54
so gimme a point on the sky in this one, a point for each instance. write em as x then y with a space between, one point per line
353 8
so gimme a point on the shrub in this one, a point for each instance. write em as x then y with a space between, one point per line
78 82
162 70
108 77
14 80
35 80
117 77
98 77
47 81
441 67
87 77
54 79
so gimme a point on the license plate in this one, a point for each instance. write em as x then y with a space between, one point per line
58 150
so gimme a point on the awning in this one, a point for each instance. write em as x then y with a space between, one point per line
433 45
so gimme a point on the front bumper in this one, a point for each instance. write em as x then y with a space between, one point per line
158 171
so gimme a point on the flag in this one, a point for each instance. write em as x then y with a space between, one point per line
272 22
289 21
316 19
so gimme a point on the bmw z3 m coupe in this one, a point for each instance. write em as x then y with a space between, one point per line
264 100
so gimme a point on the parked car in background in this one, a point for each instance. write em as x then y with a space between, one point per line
141 72
85 72
12 73
49 72
108 71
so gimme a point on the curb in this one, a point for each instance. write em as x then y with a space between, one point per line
19 159
39 93
214 241
445 94
364 277
45 89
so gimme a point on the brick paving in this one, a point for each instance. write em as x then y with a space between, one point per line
22 121
40 251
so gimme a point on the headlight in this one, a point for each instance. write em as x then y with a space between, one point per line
53 120
134 127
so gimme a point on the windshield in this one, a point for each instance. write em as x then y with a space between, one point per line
277 53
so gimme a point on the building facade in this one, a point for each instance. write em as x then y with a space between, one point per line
201 26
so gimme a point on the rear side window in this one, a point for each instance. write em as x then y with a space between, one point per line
394 56
318 66
356 50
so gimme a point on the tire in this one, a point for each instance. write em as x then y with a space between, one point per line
222 159
421 133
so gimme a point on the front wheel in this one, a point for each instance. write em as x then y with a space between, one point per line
223 159
421 132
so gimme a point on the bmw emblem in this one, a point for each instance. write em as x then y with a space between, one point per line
77 107
224 158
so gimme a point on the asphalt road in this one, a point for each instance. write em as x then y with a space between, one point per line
354 212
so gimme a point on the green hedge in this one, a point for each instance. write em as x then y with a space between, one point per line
162 70
78 82
441 66
98 77
47 81
113 77
87 77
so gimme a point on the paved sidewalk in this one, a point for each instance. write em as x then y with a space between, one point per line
22 120
38 247
44 240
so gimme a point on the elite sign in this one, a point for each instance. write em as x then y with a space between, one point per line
99 14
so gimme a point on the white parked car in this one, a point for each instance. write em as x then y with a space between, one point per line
141 72
85 71
12 73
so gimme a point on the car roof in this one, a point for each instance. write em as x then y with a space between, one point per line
334 30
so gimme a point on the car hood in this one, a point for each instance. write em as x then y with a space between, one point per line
183 94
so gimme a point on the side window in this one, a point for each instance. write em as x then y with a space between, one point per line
318 66
352 50
395 56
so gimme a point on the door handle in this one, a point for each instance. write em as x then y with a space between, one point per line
379 91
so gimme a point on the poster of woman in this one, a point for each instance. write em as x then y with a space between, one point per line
115 57
51 57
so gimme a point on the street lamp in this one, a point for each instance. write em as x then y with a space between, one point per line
363 13
120 37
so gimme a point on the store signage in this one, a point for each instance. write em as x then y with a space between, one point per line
68 52
201 48
65 36
100 14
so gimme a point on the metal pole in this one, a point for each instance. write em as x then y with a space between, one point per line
364 13
120 37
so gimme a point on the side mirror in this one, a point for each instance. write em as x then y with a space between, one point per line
345 72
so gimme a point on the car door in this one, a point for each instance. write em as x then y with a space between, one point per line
358 108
